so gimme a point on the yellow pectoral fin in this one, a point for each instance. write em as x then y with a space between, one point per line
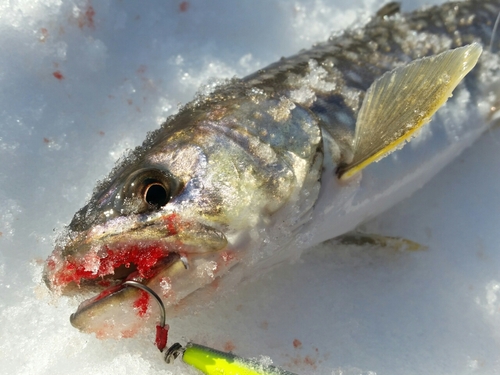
398 103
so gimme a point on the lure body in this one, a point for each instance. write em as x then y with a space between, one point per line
214 362
248 176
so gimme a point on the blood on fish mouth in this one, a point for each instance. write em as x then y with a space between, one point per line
108 266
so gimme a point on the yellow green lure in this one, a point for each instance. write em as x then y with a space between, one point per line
214 362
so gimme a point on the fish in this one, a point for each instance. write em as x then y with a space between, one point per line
264 167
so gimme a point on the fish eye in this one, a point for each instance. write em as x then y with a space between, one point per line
145 190
155 194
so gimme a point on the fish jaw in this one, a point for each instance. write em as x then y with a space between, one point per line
121 311
136 242
162 253
227 166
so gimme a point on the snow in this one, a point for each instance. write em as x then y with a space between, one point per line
81 81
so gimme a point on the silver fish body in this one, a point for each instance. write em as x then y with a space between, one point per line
244 177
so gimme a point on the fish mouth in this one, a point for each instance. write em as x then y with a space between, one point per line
100 260
118 311
105 266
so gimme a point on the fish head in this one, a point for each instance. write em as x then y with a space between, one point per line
195 200
161 218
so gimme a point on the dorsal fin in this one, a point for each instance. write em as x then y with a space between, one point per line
399 102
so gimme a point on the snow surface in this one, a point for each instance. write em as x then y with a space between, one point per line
80 82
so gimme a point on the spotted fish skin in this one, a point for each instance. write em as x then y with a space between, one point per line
244 177
331 78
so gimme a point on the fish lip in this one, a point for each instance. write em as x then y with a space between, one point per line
90 258
105 265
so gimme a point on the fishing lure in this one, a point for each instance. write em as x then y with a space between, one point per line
214 362
203 358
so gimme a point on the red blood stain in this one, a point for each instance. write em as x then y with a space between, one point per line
107 292
89 14
229 346
87 18
51 264
144 259
101 132
216 283
129 101
307 360
297 344
126 334
141 69
1 234
171 224
57 74
310 361
45 34
142 304
46 140
104 283
228 256
184 6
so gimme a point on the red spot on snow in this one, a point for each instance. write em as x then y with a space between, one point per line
89 14
101 133
297 344
57 74
141 69
184 6
229 346
129 101
87 18
126 334
310 361
46 140
142 304
45 34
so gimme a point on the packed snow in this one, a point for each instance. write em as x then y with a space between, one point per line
82 81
